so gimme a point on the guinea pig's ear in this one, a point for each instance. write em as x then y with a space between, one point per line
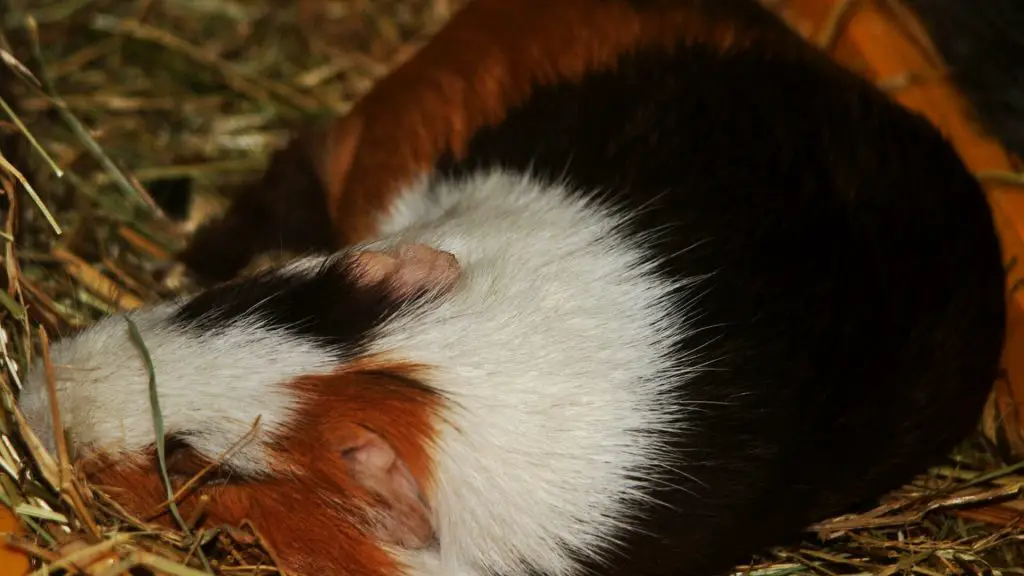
398 513
409 270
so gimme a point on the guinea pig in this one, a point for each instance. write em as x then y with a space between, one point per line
693 288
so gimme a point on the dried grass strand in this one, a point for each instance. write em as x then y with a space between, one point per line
131 189
10 168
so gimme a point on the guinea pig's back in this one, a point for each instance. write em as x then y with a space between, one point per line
853 315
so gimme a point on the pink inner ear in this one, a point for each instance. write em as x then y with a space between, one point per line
400 515
410 269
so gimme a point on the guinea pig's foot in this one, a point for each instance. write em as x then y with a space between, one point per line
409 270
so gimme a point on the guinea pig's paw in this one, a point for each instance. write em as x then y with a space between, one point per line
410 269
398 513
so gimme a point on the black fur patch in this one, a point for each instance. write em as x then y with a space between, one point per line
855 317
173 196
284 209
329 306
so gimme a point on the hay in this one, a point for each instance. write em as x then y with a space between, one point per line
106 104
110 102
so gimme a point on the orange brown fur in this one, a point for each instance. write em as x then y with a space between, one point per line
381 398
309 508
296 524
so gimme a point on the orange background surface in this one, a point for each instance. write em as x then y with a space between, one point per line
12 563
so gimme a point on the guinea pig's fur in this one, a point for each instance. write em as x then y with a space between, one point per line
661 314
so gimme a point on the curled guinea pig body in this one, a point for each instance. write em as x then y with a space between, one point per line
658 317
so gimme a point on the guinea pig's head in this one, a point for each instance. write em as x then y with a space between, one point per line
268 393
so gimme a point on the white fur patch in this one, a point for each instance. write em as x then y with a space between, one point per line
211 386
556 353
